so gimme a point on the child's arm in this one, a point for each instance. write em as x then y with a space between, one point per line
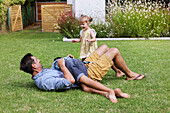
92 34
66 72
78 40
71 56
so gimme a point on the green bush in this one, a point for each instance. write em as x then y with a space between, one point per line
124 20
138 19
69 25
4 5
101 29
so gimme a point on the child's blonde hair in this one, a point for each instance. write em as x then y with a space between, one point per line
85 18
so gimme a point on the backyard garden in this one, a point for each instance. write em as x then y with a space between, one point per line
127 19
18 92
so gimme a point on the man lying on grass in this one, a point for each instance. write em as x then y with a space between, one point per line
50 79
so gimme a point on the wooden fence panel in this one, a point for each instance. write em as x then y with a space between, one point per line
50 13
38 8
16 18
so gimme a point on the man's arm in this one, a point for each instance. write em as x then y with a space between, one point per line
66 72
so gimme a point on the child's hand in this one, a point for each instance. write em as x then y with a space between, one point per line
71 56
87 40
73 41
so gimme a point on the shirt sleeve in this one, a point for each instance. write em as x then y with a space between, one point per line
56 84
92 30
55 63
81 32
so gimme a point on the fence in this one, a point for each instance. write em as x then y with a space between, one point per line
16 18
38 8
50 13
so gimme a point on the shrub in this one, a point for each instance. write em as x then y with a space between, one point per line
101 29
138 19
69 25
125 19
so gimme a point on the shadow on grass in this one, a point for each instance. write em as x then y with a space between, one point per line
26 85
31 86
111 78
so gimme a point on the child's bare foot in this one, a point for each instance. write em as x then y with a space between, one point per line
111 96
119 74
119 93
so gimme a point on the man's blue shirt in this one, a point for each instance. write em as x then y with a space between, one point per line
50 79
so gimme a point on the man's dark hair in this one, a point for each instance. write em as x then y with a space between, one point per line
26 63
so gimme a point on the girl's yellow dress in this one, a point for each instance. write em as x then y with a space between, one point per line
87 47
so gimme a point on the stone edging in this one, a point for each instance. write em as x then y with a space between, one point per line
107 39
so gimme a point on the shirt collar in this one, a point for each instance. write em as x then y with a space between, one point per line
39 74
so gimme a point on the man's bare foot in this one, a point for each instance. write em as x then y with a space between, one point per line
119 93
136 77
111 96
119 74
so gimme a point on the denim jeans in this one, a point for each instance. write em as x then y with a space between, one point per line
76 68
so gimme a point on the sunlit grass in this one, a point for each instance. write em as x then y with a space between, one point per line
18 92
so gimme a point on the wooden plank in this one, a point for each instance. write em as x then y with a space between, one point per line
42 18
50 14
16 18
45 3
21 18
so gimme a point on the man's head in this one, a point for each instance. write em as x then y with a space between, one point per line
29 64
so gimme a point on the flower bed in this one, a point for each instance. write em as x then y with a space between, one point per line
127 19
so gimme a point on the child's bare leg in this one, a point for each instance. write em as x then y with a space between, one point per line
110 95
119 93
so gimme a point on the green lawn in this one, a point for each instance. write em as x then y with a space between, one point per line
18 92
